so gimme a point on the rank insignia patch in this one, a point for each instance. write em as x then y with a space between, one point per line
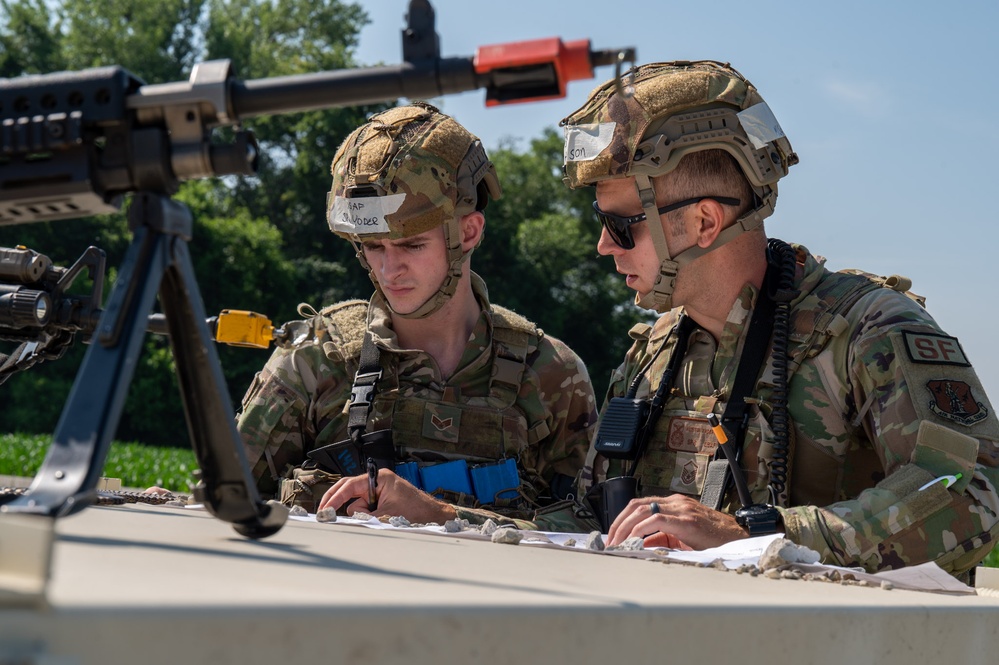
954 401
442 422
688 474
934 349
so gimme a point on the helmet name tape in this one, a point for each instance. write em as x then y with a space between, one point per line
760 124
585 142
365 215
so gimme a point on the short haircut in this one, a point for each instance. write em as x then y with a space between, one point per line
703 173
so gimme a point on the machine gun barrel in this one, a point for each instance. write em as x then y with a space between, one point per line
429 78
307 92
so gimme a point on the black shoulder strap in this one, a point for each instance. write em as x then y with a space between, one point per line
736 414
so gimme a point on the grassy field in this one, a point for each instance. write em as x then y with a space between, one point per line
138 465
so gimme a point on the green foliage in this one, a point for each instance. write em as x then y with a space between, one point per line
33 400
141 466
137 465
22 455
298 35
156 41
297 149
30 39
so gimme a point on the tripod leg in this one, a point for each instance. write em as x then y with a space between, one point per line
226 487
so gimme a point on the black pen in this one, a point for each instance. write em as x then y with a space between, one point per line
372 484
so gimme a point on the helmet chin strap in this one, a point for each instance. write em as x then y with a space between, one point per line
660 298
456 262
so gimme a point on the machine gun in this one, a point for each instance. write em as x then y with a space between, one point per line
74 144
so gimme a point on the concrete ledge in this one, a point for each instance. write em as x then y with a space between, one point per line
154 584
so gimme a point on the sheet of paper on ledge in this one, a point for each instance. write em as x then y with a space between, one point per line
747 551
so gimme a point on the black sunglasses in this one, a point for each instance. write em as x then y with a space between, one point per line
619 227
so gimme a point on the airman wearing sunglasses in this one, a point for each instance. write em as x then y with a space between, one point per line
848 419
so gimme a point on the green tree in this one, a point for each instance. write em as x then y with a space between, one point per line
30 39
294 174
156 41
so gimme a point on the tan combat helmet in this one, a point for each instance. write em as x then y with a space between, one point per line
406 171
668 110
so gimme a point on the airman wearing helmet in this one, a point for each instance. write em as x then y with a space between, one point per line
468 409
839 396
407 172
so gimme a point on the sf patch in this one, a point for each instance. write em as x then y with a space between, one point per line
955 401
934 349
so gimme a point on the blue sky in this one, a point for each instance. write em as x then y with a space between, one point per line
891 106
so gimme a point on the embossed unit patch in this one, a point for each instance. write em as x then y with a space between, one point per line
954 401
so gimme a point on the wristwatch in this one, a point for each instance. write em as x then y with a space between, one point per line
759 519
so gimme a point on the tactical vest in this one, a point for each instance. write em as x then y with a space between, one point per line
682 443
430 425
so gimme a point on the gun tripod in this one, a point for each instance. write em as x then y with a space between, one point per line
157 260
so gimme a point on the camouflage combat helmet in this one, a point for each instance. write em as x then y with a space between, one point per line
406 171
671 109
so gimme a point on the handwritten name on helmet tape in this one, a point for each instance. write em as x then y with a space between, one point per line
585 142
363 215
933 349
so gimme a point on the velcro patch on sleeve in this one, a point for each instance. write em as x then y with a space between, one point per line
933 349
943 386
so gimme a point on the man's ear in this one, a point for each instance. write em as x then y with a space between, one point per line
710 221
472 227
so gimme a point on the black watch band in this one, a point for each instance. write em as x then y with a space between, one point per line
759 519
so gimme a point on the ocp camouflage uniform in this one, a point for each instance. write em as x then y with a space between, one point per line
882 402
516 393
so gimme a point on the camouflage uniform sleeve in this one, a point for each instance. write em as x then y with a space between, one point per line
918 400
566 394
284 411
